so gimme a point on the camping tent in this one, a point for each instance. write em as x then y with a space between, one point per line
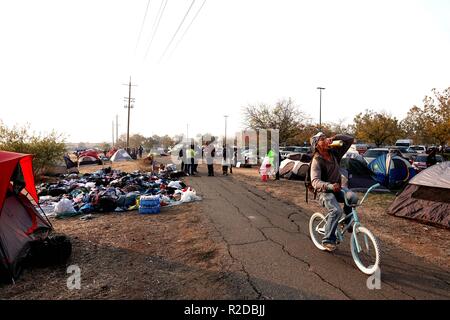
121 155
360 177
391 171
84 160
293 170
427 197
20 223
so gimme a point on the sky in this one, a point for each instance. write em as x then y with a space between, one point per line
63 64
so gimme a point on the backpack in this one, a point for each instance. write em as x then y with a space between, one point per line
308 183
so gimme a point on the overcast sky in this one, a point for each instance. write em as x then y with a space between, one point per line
63 63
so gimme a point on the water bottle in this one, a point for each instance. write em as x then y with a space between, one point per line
336 144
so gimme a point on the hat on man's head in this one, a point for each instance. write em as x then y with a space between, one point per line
315 139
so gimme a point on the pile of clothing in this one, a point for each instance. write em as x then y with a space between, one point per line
110 190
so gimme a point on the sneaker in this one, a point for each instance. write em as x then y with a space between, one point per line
329 246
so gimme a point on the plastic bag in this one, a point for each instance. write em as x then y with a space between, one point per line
64 206
175 184
189 195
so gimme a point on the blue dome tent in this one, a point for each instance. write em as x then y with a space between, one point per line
391 170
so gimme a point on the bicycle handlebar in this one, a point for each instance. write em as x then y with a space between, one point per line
376 185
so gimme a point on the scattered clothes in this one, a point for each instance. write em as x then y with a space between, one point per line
108 190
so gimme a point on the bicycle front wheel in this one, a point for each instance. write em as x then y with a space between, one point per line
365 250
317 224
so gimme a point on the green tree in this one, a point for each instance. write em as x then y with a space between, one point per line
377 127
431 122
284 116
48 149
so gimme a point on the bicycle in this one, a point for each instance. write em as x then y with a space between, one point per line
365 253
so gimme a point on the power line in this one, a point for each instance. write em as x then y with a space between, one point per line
157 21
176 32
142 26
185 31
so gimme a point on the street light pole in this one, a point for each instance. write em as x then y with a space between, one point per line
225 139
320 107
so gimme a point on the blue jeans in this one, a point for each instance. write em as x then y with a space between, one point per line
331 202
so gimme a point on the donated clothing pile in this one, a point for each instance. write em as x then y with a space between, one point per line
110 190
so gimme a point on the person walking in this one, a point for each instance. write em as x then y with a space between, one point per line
224 161
210 153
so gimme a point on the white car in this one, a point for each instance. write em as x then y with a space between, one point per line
419 149
374 153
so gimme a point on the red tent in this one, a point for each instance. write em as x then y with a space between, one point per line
20 223
89 153
8 163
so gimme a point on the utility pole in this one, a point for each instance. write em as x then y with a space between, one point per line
113 133
129 107
320 108
225 138
187 132
117 128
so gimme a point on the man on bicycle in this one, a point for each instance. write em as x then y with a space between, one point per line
326 180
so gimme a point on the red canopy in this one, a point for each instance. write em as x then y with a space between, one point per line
8 163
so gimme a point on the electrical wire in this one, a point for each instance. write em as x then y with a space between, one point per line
157 21
186 30
178 29
142 26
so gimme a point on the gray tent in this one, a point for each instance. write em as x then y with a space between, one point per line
121 155
426 198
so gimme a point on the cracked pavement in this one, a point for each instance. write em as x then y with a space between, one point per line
268 241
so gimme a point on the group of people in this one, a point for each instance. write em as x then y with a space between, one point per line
135 152
191 154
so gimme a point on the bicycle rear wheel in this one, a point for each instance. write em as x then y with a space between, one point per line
365 250
317 224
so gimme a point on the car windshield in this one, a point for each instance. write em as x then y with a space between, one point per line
301 149
374 153
418 148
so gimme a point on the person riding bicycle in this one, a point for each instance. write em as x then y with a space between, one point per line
326 180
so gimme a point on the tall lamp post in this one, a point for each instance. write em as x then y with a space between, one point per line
320 107
225 139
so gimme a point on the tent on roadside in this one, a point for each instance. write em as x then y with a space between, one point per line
85 160
293 170
20 222
426 198
392 171
121 155
360 177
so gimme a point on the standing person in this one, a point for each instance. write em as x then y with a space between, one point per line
181 156
210 153
431 158
326 180
191 159
141 149
198 156
224 161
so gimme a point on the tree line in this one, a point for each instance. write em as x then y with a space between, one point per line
427 124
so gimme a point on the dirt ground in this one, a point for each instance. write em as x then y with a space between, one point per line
431 243
175 255
131 256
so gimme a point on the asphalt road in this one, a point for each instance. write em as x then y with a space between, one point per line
269 243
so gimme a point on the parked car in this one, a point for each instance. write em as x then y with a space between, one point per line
404 142
420 162
405 152
419 149
374 153
286 150
359 147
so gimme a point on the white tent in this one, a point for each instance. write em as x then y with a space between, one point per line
121 155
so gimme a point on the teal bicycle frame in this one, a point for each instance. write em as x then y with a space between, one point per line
354 221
